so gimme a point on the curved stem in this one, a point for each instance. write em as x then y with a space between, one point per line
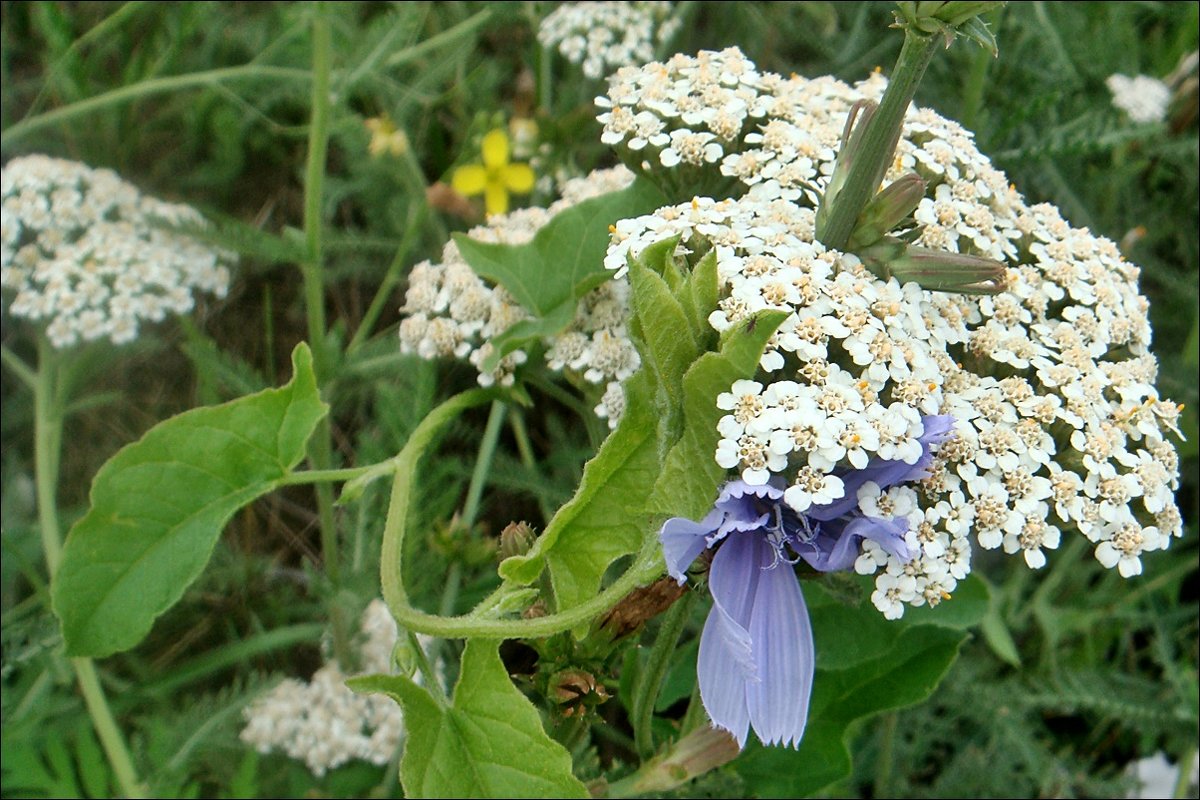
145 88
646 565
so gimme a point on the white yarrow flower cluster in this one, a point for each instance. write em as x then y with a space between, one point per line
1142 97
325 724
84 254
452 312
602 36
1058 426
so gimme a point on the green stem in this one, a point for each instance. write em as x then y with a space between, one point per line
650 682
324 475
320 452
432 682
23 371
314 182
874 152
973 90
416 218
483 463
646 565
525 449
106 729
47 435
146 88
449 36
239 652
1183 782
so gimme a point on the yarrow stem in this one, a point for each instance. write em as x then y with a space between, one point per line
49 402
651 678
48 423
840 208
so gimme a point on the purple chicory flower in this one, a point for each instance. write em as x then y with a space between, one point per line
757 660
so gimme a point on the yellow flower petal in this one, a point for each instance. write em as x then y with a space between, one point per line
495 149
519 178
495 198
469 180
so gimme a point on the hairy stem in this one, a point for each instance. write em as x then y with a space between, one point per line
648 686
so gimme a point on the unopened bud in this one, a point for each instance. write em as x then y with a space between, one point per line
949 19
887 210
936 270
516 539
856 123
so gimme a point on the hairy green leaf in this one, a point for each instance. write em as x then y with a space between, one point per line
488 742
159 504
687 484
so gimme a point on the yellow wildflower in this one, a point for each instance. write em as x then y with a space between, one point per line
496 178
385 137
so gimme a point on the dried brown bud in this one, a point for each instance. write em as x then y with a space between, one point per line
640 605
442 197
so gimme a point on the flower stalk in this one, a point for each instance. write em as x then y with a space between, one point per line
861 168
868 147
49 403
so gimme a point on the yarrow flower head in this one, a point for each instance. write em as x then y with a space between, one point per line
603 36
497 177
757 659
1142 97
86 253
323 722
453 313
1057 426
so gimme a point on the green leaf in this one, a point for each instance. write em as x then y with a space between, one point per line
158 506
606 519
687 484
667 348
704 289
529 332
563 262
865 665
906 674
488 742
